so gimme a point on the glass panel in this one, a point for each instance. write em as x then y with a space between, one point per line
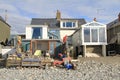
68 24
94 35
63 24
86 34
102 35
51 48
54 33
37 33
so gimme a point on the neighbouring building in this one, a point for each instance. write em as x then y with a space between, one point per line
90 40
47 33
4 30
113 34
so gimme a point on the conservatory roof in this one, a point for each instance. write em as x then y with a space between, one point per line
94 23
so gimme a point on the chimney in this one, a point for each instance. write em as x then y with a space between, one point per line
119 16
94 19
58 15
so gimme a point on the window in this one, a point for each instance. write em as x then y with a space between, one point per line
86 34
94 35
37 33
69 24
102 34
54 33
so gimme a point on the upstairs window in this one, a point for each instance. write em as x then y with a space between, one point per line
37 33
69 24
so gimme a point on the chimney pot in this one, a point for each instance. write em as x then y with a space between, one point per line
94 19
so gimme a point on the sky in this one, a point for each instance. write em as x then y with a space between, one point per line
20 12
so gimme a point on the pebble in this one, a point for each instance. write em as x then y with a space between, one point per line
87 70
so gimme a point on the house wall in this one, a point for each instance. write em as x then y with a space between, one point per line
76 38
44 31
77 43
113 31
4 31
28 33
66 32
113 35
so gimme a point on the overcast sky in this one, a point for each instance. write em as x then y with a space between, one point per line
20 12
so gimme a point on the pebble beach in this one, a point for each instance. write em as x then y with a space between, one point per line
87 69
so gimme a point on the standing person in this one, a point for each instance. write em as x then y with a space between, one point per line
44 53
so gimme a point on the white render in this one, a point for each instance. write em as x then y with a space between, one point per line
29 31
66 32
45 33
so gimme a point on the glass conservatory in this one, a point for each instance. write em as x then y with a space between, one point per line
94 33
90 40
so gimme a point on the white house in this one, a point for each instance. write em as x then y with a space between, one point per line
38 36
47 33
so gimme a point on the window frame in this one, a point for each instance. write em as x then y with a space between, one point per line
69 24
98 36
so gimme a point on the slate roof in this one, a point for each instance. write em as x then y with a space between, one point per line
52 22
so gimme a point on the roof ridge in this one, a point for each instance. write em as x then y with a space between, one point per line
43 18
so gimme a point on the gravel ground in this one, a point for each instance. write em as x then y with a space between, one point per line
104 68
